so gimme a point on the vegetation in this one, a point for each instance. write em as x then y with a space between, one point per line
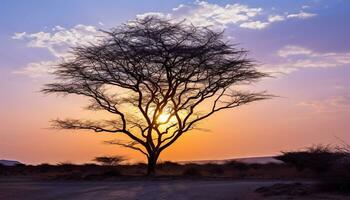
154 76
319 158
110 160
328 165
164 169
332 164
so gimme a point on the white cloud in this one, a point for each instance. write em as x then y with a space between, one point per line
334 103
179 7
210 14
206 14
61 39
291 50
254 25
155 14
301 15
37 69
58 42
276 18
293 58
58 28
18 36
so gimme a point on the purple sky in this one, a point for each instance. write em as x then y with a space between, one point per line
305 44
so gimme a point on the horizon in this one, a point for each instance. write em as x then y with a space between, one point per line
304 44
249 159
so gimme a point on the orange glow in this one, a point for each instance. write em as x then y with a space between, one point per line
163 117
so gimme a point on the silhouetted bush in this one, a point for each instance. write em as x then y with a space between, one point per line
112 173
331 164
66 166
318 158
237 165
44 167
338 177
110 160
214 169
192 172
168 164
20 165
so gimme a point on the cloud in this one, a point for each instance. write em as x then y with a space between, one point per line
155 14
18 36
291 50
332 104
37 69
301 15
179 7
203 13
254 25
293 58
276 18
60 40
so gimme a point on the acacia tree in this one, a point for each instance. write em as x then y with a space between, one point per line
158 79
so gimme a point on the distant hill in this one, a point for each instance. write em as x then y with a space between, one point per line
258 160
9 162
248 160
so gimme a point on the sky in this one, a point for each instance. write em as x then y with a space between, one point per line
304 44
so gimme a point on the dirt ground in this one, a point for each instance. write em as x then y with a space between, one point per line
33 189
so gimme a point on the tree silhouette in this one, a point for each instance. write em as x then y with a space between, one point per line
109 160
158 78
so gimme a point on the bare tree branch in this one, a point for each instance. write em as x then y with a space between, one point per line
151 69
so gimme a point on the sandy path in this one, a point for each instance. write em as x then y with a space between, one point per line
146 190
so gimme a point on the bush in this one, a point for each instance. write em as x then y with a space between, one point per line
237 165
110 160
332 164
215 170
112 173
168 164
192 172
318 158
44 167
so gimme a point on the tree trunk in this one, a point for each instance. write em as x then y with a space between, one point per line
152 163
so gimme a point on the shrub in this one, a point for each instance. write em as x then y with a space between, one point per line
112 173
110 160
44 167
216 170
318 158
237 165
192 172
168 164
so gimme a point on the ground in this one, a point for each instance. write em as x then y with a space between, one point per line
33 189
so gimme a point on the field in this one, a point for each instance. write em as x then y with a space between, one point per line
229 180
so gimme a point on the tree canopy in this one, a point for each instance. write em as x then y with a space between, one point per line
159 78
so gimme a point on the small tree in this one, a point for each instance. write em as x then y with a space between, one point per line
158 78
319 158
109 160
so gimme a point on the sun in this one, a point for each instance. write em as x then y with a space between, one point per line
163 117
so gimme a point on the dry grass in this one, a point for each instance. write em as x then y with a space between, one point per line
234 170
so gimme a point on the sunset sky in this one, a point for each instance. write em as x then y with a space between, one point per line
305 44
